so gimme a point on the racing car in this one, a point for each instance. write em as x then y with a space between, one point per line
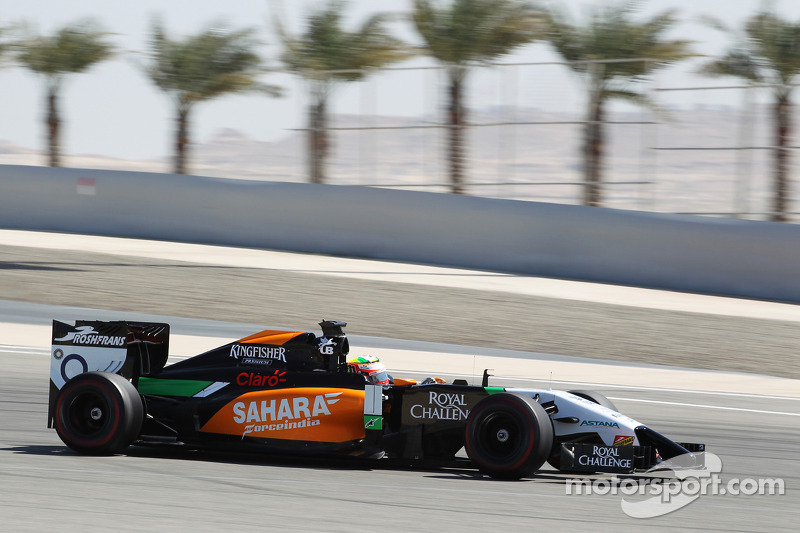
293 392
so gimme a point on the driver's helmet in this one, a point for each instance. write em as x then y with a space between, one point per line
370 367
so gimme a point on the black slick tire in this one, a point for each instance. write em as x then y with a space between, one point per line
508 436
98 413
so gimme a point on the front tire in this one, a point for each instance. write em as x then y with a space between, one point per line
508 436
98 413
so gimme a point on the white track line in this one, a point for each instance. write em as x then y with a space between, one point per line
706 406
25 349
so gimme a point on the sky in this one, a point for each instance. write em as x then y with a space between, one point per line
114 110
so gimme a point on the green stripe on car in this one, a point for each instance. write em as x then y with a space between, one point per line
171 387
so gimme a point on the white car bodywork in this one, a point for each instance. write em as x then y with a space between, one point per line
579 415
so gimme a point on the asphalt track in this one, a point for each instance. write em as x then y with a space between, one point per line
46 486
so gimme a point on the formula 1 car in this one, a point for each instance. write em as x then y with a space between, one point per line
288 392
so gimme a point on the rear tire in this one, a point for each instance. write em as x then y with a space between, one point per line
98 413
508 436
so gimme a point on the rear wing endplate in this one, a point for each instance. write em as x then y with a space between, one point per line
131 349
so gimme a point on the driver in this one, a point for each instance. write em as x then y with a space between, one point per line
370 367
374 371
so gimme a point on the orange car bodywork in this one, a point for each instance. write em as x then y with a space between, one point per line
305 414
269 336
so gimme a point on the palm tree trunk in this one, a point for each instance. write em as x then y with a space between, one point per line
317 140
783 132
593 154
53 129
456 142
181 140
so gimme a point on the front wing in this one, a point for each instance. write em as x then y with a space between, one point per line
588 458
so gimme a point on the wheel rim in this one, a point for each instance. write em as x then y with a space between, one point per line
500 434
88 413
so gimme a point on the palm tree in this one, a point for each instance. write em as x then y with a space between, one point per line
769 54
202 67
594 50
326 54
462 36
72 49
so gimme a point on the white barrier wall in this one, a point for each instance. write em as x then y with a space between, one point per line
753 259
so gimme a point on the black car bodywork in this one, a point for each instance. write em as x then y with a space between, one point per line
291 392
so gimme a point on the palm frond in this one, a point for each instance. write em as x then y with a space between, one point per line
72 49
326 51
769 51
611 33
201 67
777 41
737 63
473 31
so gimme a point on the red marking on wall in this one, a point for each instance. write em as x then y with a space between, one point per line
87 186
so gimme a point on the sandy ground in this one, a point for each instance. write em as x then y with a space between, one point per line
394 300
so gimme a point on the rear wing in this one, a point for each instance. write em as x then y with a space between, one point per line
130 349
